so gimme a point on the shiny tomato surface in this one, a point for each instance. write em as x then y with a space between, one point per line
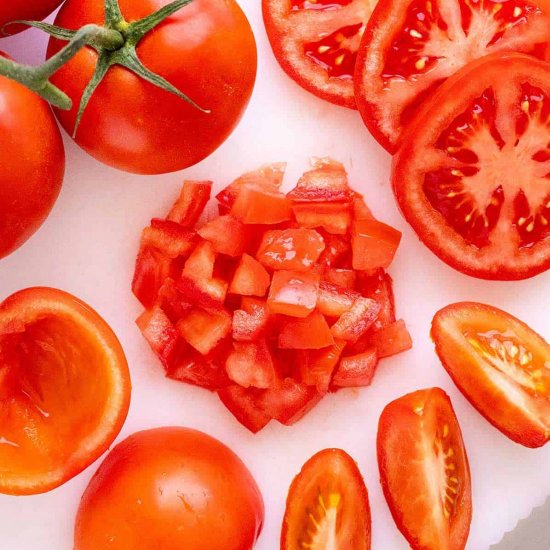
33 10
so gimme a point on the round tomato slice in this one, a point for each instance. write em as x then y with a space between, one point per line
500 365
424 470
411 46
316 43
473 175
64 389
327 506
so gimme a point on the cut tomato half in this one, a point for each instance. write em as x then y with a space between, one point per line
500 365
473 175
64 389
424 470
316 43
411 46
327 506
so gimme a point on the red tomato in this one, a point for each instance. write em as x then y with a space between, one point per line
424 470
411 46
170 488
500 365
293 294
135 126
35 10
32 163
374 244
316 43
311 333
472 175
327 506
64 387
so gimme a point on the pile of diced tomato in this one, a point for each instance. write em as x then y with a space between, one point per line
277 300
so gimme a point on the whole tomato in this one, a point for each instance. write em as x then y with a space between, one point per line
35 10
32 163
170 488
206 50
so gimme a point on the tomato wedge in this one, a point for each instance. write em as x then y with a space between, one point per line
424 470
411 46
64 389
473 175
316 43
327 506
500 365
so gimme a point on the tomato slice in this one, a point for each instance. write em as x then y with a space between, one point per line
327 506
411 46
473 175
424 470
501 365
316 43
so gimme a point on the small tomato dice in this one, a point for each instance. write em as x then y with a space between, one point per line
242 403
312 332
293 294
191 202
317 366
344 278
379 287
356 370
200 264
256 204
354 323
392 339
168 237
337 250
291 249
251 365
227 234
160 333
333 217
374 244
172 301
204 329
334 300
250 322
152 267
250 278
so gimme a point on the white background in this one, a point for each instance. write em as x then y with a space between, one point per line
88 245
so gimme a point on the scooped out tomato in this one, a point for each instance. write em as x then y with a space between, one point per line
316 43
327 506
170 488
424 470
65 389
411 46
472 175
23 9
500 365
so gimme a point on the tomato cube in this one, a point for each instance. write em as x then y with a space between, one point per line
345 278
168 237
227 234
291 249
293 294
251 365
256 204
352 324
152 267
250 322
194 368
242 403
172 301
191 202
317 366
204 329
379 287
160 333
356 370
333 217
337 250
392 339
374 244
200 264
251 278
334 300
312 332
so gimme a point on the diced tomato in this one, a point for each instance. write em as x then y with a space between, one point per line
354 323
334 300
360 209
333 217
344 278
200 264
291 249
336 250
317 366
326 182
374 244
392 339
379 287
251 278
243 404
168 237
356 370
191 202
160 333
312 332
172 301
227 234
152 267
257 204
251 321
293 294
204 329
251 365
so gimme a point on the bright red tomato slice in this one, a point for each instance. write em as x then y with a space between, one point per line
473 175
327 506
411 46
501 365
424 470
316 43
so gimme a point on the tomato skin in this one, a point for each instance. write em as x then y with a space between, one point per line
23 9
32 164
195 494
137 127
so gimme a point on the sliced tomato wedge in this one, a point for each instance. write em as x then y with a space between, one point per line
500 365
316 43
411 46
424 470
473 175
327 506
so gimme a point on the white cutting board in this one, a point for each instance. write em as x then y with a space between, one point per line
88 246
